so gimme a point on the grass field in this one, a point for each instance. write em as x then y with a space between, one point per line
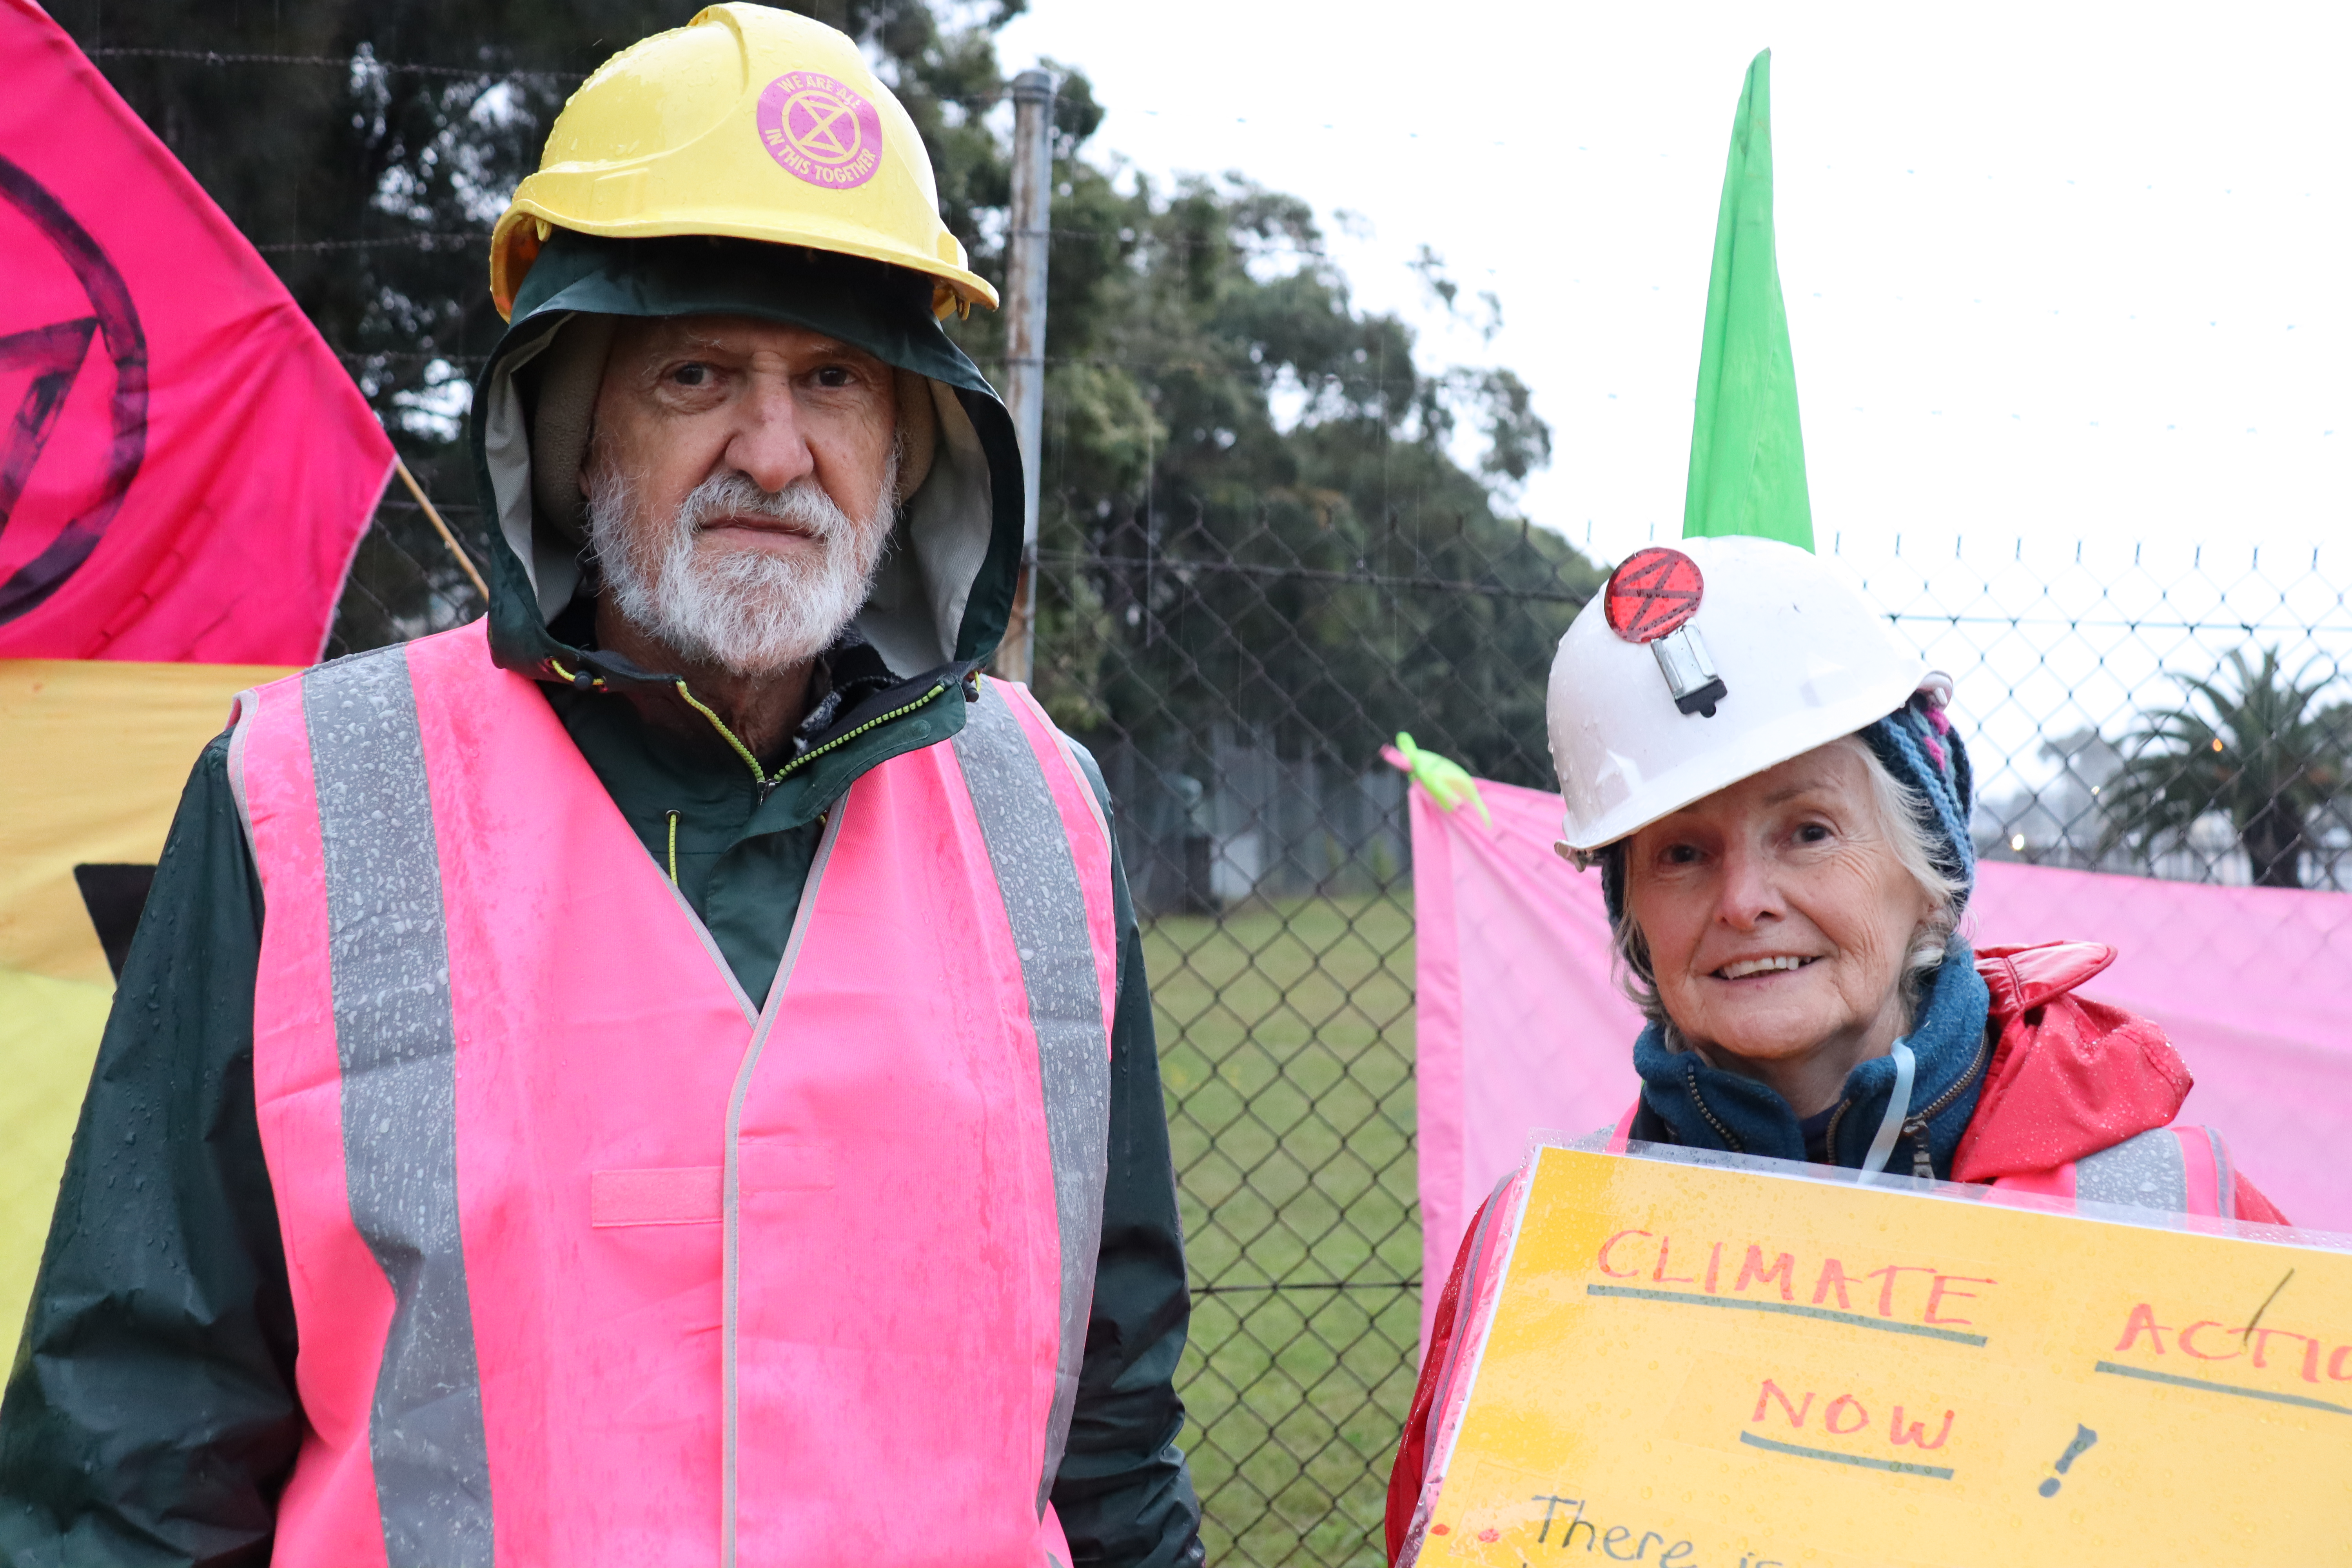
1285 1043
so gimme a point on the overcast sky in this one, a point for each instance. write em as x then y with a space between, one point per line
2059 272
2050 268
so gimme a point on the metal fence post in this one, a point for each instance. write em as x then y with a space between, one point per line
1025 342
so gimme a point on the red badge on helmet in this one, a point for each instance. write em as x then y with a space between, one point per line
1651 598
1653 593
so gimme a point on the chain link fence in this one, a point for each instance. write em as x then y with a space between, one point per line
403 582
2177 713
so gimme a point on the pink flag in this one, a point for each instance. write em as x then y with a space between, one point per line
185 467
1521 1027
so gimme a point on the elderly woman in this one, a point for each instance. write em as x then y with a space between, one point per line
1779 809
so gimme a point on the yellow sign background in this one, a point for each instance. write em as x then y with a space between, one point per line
1709 1368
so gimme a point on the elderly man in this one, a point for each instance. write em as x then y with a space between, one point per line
663 1075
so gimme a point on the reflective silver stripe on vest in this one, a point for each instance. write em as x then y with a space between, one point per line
2225 1180
388 949
2147 1172
1030 849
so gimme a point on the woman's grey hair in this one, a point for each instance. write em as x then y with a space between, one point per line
1904 814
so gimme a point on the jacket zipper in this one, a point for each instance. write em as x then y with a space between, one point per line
1922 1166
761 775
1690 1077
814 753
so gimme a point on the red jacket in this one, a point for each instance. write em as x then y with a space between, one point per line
2069 1077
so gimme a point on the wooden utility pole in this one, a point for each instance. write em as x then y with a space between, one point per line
1024 340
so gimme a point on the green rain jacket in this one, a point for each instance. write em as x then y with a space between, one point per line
151 1416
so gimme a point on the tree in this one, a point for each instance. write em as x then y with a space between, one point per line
1252 509
2257 754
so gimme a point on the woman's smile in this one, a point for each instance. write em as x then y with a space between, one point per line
1746 968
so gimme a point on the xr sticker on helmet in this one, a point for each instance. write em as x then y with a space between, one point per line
820 130
1651 599
1653 593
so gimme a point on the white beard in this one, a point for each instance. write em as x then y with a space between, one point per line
751 611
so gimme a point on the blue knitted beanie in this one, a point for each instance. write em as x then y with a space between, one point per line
1918 746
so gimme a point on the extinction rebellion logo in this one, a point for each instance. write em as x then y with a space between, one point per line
95 441
820 131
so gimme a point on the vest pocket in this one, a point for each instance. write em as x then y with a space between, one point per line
694 1194
679 1195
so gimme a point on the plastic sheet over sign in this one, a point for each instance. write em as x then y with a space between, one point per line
1689 1360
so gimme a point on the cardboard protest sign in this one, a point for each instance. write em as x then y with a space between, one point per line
1739 1365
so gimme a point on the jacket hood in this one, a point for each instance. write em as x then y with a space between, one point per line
945 587
2069 1076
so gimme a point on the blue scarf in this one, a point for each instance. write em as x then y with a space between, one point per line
1703 1107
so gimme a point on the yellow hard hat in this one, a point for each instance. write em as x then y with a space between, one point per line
748 121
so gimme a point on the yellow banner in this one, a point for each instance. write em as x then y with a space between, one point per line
1696 1367
93 754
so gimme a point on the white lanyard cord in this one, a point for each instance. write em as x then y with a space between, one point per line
1898 1106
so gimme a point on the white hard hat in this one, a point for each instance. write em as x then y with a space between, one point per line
1704 664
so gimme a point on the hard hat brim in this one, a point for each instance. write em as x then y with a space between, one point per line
514 245
1758 751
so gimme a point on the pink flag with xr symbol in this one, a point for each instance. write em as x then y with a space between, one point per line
185 469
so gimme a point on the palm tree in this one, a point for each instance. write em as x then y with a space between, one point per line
2258 755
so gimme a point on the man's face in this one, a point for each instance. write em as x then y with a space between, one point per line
741 484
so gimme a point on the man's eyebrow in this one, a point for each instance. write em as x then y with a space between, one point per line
678 340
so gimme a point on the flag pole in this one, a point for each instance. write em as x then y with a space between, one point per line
441 528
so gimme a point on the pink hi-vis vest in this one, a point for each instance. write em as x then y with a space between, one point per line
594 1261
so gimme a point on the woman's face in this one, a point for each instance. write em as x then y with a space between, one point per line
1779 917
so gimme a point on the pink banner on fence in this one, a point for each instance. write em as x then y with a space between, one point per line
1521 1027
